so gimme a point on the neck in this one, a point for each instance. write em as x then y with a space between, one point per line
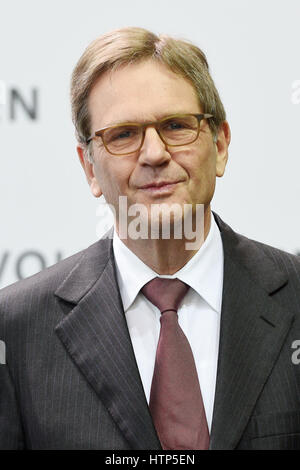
167 256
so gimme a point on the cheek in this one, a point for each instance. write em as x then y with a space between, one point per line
112 176
202 176
200 166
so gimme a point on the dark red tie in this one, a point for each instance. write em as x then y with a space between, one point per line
176 403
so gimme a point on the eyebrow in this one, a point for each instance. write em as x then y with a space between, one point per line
141 121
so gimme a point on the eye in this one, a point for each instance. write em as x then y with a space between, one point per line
122 133
174 125
177 124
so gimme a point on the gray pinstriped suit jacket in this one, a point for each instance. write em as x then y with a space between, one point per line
71 381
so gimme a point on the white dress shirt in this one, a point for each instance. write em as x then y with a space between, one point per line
199 313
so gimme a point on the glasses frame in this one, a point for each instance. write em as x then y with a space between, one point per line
143 127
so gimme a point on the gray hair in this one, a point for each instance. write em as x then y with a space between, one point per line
132 45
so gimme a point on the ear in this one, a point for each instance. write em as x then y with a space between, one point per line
222 144
88 168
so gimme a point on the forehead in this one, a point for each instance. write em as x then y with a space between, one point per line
138 92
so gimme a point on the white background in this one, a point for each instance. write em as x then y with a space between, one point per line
253 51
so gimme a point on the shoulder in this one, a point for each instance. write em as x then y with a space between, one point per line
37 290
45 280
258 252
258 257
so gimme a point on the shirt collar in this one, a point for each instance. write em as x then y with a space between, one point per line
203 272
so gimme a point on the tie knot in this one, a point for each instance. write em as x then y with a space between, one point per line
165 294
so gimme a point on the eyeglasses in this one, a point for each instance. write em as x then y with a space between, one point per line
128 137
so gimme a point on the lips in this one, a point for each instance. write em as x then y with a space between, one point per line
159 188
160 184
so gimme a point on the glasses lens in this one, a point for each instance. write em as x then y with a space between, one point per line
179 130
122 139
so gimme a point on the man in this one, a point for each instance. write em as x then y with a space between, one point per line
86 363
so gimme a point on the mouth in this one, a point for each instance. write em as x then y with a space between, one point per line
159 187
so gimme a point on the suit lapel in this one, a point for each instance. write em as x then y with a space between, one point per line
253 328
95 335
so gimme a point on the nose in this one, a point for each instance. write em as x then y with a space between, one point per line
154 151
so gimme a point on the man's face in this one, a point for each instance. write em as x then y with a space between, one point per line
147 92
